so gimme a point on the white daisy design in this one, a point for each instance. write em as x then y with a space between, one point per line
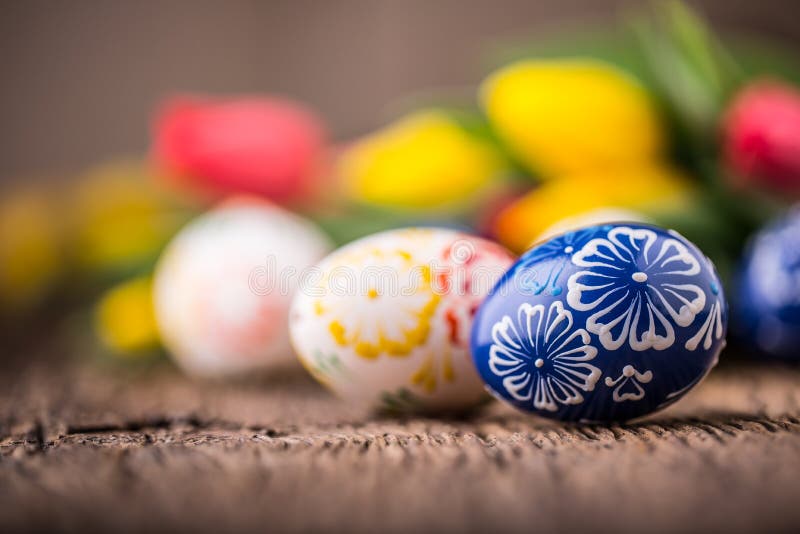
541 358
711 328
632 276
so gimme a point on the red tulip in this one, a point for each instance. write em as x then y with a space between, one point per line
762 136
264 146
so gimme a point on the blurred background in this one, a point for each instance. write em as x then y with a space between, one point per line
80 80
123 122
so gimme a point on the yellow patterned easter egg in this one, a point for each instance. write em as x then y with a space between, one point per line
385 320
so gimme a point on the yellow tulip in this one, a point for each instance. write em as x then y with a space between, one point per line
650 190
30 248
425 160
571 116
121 218
125 318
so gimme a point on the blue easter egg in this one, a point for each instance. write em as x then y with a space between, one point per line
606 323
768 298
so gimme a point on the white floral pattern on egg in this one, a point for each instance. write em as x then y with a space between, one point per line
604 323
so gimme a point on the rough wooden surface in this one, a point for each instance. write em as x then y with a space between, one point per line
86 447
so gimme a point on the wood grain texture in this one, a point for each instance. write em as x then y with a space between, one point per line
85 447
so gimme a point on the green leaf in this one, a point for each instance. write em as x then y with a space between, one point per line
691 71
758 58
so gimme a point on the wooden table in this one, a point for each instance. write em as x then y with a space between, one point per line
84 446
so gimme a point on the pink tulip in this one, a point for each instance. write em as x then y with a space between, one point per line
762 136
264 146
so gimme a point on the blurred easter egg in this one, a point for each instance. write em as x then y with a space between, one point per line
124 319
649 190
425 161
224 284
264 146
121 219
762 136
31 252
387 321
572 116
606 323
768 300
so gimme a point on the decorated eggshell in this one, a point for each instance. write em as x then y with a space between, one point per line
223 287
386 322
768 303
605 323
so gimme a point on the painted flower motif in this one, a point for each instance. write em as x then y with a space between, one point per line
541 358
711 327
557 251
632 276
379 302
466 271
630 379
463 274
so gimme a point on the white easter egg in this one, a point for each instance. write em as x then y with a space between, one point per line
386 319
223 286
